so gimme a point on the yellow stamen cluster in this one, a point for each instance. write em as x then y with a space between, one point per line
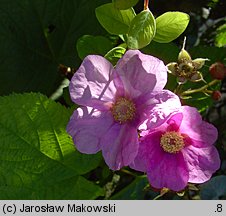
172 142
123 110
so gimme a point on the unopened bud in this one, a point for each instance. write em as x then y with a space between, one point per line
218 71
216 95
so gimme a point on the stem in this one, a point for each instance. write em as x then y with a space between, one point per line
128 172
178 89
146 2
162 193
200 89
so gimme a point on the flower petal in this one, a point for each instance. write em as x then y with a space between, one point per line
174 122
201 162
92 83
120 146
197 129
156 107
169 171
137 73
87 126
163 169
140 161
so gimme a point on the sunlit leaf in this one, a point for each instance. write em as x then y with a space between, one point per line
220 39
115 21
38 158
115 54
170 25
142 30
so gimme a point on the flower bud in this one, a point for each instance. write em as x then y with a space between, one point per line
216 95
218 71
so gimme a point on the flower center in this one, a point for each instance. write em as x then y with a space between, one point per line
123 110
172 142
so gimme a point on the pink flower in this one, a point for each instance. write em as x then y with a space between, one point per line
179 151
115 102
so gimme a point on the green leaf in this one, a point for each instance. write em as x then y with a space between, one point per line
115 54
88 44
170 25
134 191
124 4
38 35
38 158
115 21
214 189
220 39
142 30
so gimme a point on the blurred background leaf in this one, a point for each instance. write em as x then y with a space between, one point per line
214 189
124 4
134 191
88 44
38 35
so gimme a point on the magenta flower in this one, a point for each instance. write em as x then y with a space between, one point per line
179 151
115 102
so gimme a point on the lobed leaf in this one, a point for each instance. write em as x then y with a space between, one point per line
38 159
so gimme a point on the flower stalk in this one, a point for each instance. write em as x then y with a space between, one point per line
202 89
146 2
